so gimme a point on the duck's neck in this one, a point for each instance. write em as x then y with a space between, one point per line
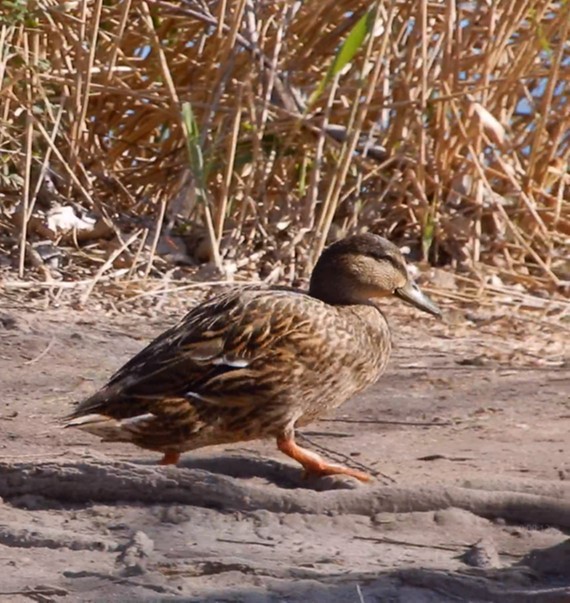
341 294
333 298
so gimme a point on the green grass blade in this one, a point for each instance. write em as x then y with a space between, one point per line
195 155
346 52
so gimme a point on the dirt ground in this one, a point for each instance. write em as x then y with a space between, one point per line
467 434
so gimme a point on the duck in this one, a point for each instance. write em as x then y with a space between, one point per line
260 361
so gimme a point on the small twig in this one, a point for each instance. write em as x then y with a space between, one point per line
382 422
10 417
40 590
62 284
346 458
419 545
156 238
27 184
109 263
327 434
246 542
438 457
41 354
441 547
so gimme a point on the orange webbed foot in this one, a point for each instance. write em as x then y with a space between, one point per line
313 464
170 458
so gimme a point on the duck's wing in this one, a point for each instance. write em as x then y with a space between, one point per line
236 349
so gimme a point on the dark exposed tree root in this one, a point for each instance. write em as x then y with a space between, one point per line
80 482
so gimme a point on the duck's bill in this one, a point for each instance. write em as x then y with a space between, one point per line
412 294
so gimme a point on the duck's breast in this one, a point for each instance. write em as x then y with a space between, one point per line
355 350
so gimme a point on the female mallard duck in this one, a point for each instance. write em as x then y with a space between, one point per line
260 361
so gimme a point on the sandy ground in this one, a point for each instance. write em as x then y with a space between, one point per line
467 434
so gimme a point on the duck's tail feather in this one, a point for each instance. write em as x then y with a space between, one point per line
110 429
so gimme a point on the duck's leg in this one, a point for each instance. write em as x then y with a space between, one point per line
170 458
312 462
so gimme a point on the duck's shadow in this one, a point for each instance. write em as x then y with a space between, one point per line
279 474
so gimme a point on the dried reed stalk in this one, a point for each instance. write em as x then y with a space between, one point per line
447 128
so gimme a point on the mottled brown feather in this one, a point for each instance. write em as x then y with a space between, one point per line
256 361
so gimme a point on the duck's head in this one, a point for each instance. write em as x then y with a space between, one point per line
361 268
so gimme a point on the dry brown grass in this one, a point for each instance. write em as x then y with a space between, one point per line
186 128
